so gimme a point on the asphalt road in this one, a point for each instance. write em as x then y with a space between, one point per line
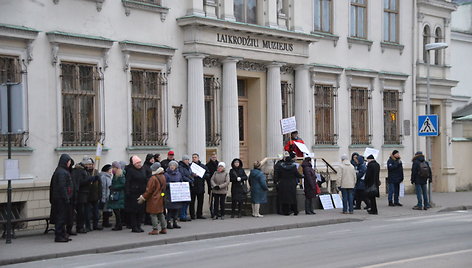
440 240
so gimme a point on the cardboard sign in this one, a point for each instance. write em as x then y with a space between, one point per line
197 170
338 202
179 191
371 151
326 201
12 169
98 153
302 147
288 125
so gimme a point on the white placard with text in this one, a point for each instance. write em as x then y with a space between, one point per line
179 191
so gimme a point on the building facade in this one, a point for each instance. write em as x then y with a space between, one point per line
205 76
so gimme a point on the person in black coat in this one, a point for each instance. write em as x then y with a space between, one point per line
395 177
309 185
147 165
187 176
371 178
81 178
276 179
288 181
197 192
237 177
420 180
135 185
60 194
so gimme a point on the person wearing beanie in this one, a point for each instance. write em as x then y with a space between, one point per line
371 179
187 176
359 189
291 147
257 180
347 181
420 175
172 175
135 185
106 177
154 198
60 194
165 162
394 178
288 179
219 185
116 200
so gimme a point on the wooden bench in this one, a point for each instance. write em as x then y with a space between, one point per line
17 219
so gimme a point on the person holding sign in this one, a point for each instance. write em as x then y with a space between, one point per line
219 184
291 147
198 191
172 175
135 185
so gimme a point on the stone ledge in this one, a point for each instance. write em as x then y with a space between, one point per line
359 41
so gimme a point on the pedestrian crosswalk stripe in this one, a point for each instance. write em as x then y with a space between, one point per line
427 126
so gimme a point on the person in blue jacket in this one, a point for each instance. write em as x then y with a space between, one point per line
395 177
257 181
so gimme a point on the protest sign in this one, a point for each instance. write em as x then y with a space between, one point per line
197 170
288 125
371 151
302 147
326 201
179 191
338 202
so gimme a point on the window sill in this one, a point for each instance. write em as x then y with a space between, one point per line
389 45
130 4
359 41
393 146
79 149
359 146
327 36
147 148
325 147
17 150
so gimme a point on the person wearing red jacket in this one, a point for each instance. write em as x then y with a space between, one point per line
291 147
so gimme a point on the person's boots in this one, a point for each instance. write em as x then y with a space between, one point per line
175 225
253 206
117 228
106 220
169 225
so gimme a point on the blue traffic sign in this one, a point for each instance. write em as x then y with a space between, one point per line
428 125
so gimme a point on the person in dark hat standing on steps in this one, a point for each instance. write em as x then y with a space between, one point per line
291 147
371 178
395 177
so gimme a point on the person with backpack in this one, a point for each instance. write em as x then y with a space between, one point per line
420 175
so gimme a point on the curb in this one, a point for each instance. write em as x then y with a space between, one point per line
449 209
179 240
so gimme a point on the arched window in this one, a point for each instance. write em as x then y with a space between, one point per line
437 52
426 35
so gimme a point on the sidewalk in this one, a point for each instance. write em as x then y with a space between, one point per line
33 245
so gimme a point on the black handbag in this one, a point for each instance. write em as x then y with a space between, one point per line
373 191
245 188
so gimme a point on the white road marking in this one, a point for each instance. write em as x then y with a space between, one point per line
418 258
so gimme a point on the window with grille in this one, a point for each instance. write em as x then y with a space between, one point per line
322 10
147 89
211 87
10 69
391 99
245 11
80 121
358 26
360 116
391 19
287 99
324 114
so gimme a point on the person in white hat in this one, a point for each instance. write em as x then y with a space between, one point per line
219 185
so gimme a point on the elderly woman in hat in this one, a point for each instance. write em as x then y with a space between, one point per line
116 202
259 189
219 184
135 185
154 199
172 175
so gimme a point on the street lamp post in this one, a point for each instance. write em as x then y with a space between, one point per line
428 48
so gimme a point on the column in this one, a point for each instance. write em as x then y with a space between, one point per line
229 105
274 110
304 104
228 10
196 8
196 142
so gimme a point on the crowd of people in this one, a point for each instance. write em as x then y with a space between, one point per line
137 192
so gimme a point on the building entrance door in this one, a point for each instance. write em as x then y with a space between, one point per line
243 121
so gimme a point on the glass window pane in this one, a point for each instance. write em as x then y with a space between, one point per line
137 114
393 4
353 21
393 27
361 21
67 77
317 14
69 112
239 10
326 16
152 83
86 77
251 11
208 120
241 122
386 4
386 26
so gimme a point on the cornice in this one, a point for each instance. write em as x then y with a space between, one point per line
64 38
393 76
441 4
146 48
326 68
18 32
130 4
361 72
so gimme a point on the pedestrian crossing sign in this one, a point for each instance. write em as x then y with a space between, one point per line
428 125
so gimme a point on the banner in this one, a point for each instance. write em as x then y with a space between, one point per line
288 125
